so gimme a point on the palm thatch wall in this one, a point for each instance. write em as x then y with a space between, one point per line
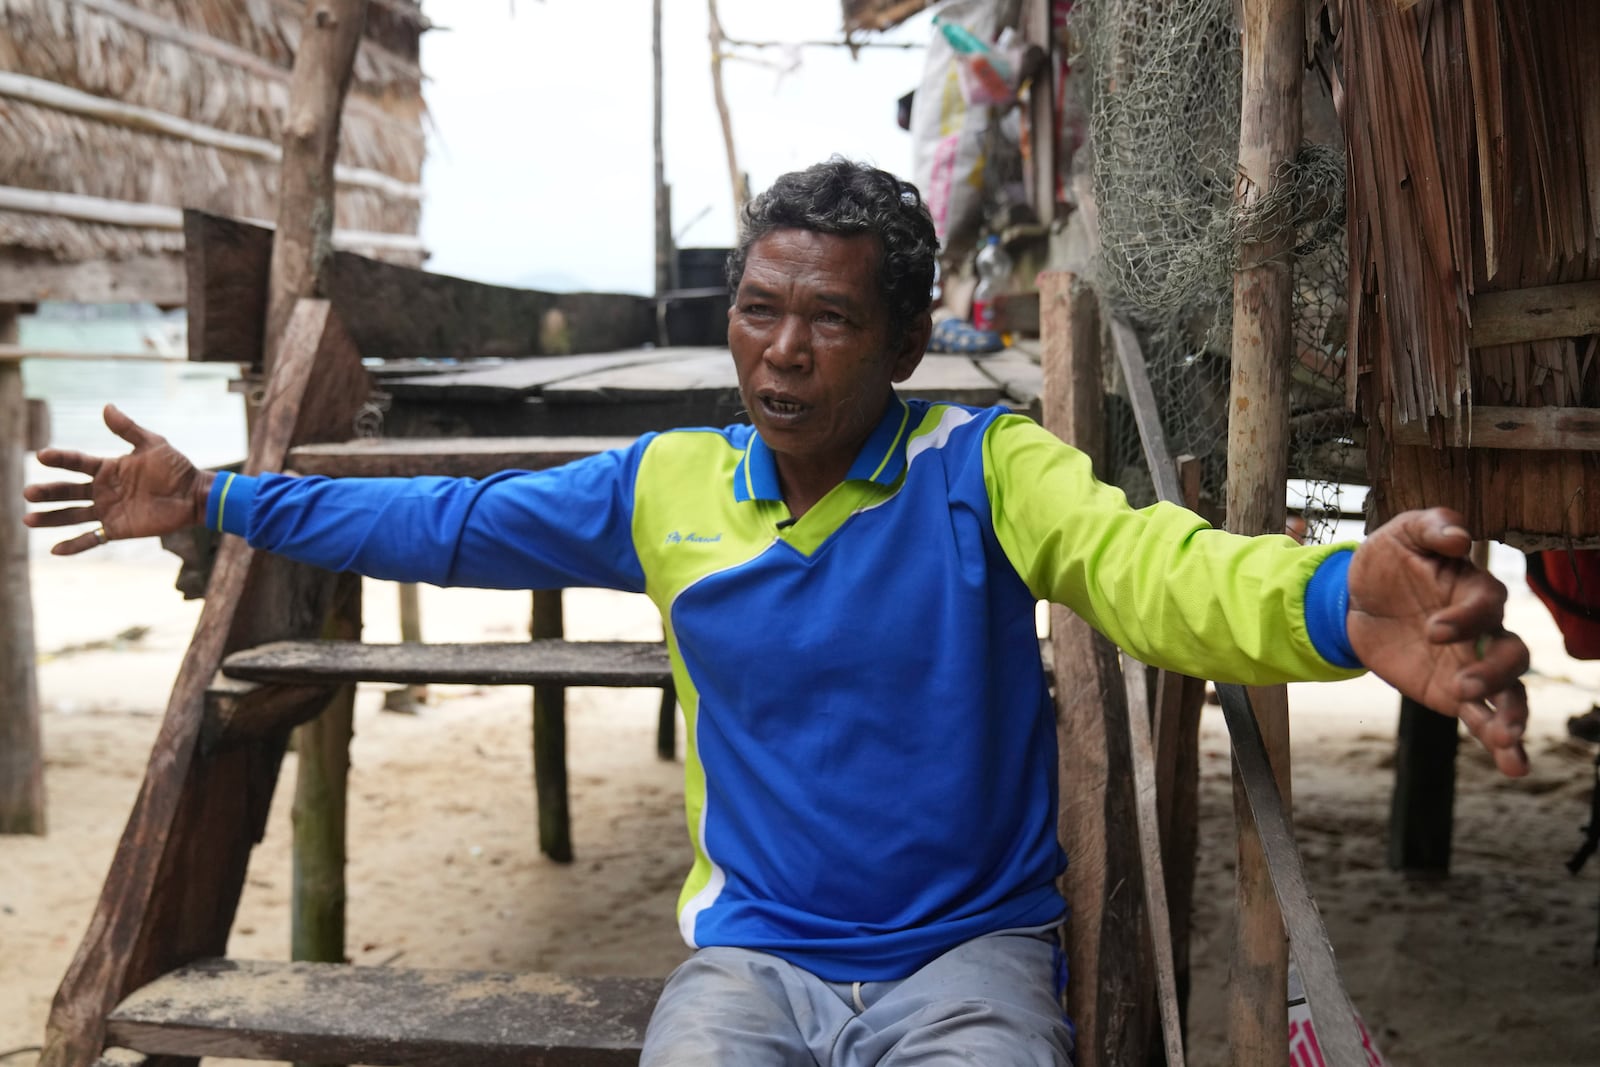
1473 129
115 114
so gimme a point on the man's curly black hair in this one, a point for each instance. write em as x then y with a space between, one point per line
847 198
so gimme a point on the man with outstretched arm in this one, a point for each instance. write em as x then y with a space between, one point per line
847 588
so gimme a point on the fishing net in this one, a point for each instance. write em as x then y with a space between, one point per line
1162 85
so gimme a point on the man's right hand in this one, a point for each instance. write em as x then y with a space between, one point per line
150 491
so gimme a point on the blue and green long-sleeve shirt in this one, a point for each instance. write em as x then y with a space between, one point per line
871 759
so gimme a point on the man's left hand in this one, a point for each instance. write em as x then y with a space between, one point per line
1427 621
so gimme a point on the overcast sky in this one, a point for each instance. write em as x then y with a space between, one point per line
539 169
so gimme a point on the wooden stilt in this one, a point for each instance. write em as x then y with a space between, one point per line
22 793
667 725
1110 995
550 740
318 897
1258 426
407 698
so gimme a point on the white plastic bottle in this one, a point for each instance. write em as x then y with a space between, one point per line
994 277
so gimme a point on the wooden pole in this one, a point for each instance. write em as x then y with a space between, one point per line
318 893
741 189
329 36
1110 995
1258 427
22 794
550 740
663 198
408 697
302 248
1179 702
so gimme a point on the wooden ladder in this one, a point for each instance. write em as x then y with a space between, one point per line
149 982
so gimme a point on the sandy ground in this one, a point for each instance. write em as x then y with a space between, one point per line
1492 966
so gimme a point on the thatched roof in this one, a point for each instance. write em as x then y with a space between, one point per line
1474 149
862 15
179 104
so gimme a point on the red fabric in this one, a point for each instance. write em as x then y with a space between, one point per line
1569 584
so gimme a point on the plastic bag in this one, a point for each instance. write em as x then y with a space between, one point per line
947 150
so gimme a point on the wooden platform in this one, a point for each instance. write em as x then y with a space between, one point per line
629 393
332 1013
625 664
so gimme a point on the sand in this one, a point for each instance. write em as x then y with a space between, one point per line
1491 966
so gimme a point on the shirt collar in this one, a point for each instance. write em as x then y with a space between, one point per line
880 460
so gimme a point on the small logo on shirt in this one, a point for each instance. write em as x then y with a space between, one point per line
676 538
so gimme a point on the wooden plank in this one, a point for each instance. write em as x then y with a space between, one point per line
22 791
1137 680
385 1015
396 312
516 379
31 277
178 869
455 457
1019 376
710 371
1516 316
1179 702
1110 995
537 662
237 711
1524 429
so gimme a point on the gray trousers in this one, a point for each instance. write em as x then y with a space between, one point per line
994 1001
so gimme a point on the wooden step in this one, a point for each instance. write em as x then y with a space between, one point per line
455 457
547 661
335 1013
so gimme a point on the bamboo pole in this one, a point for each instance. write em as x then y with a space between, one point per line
741 190
550 739
406 698
1258 422
303 244
22 794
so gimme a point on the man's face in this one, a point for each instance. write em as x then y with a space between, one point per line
811 343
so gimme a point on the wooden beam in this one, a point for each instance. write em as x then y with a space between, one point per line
239 711
1111 994
394 312
1522 429
178 870
1258 428
36 425
1515 316
22 792
29 277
